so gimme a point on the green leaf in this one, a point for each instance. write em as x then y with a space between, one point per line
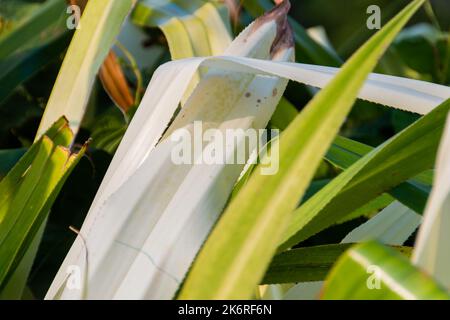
21 67
308 264
33 28
100 24
371 271
239 249
370 208
69 209
59 133
303 264
377 172
412 193
27 193
32 42
344 152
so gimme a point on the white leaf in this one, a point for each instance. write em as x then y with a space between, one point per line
431 251
393 225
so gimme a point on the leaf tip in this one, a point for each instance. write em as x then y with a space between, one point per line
284 38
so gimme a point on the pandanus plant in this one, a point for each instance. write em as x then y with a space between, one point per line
161 230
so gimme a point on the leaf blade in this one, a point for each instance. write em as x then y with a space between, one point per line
252 224
353 276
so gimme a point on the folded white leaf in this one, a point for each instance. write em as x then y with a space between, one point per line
150 216
431 251
400 93
159 105
393 225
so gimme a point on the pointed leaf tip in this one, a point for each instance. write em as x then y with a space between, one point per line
285 36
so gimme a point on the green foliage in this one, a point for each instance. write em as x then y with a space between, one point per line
22 51
308 264
28 192
413 193
372 271
377 172
100 25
